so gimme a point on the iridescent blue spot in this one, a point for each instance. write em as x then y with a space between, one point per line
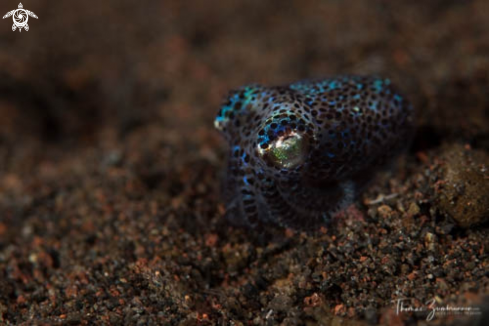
332 85
378 85
243 159
373 106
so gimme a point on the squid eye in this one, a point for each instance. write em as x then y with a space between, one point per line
288 151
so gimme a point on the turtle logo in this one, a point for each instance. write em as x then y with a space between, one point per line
20 17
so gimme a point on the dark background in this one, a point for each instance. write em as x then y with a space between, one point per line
110 167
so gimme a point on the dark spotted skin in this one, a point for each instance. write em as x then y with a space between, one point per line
351 125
